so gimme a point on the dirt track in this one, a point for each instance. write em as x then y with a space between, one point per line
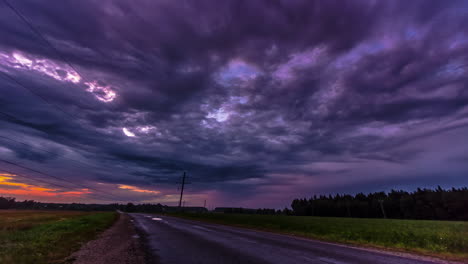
120 244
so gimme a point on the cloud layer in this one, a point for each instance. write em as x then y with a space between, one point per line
260 101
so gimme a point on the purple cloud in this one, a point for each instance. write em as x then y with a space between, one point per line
259 101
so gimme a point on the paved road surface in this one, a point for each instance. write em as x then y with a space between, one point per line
176 240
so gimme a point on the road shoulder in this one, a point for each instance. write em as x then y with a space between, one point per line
120 244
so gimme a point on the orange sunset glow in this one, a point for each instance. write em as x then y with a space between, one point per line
9 185
136 189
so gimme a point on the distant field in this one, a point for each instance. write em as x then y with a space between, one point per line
437 238
47 236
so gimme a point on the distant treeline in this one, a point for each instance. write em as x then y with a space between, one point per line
240 210
438 204
11 203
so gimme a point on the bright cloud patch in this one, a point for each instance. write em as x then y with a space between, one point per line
140 131
102 93
136 189
44 66
22 60
219 115
146 129
128 133
58 71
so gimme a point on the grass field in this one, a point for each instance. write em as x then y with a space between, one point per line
437 238
47 236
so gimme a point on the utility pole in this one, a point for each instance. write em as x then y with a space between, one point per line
182 190
204 205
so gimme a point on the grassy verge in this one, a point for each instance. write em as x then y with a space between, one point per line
436 238
47 236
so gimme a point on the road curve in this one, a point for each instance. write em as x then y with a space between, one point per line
174 240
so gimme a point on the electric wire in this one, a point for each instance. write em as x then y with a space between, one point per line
50 152
40 35
50 183
63 58
59 178
11 78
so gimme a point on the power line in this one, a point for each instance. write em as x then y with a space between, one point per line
58 178
77 162
50 152
25 144
35 179
50 183
9 77
37 32
40 35
11 117
49 174
51 46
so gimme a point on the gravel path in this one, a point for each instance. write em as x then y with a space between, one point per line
119 244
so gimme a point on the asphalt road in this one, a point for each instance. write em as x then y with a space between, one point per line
175 240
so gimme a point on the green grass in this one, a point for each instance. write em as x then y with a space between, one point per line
437 238
47 236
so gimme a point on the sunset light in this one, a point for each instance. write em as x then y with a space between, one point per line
137 189
10 185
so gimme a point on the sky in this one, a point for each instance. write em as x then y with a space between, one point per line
260 102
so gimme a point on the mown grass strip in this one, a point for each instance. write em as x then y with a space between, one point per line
53 240
447 239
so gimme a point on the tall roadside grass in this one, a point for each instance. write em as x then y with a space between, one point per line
47 236
447 239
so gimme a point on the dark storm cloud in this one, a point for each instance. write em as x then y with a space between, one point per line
248 96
